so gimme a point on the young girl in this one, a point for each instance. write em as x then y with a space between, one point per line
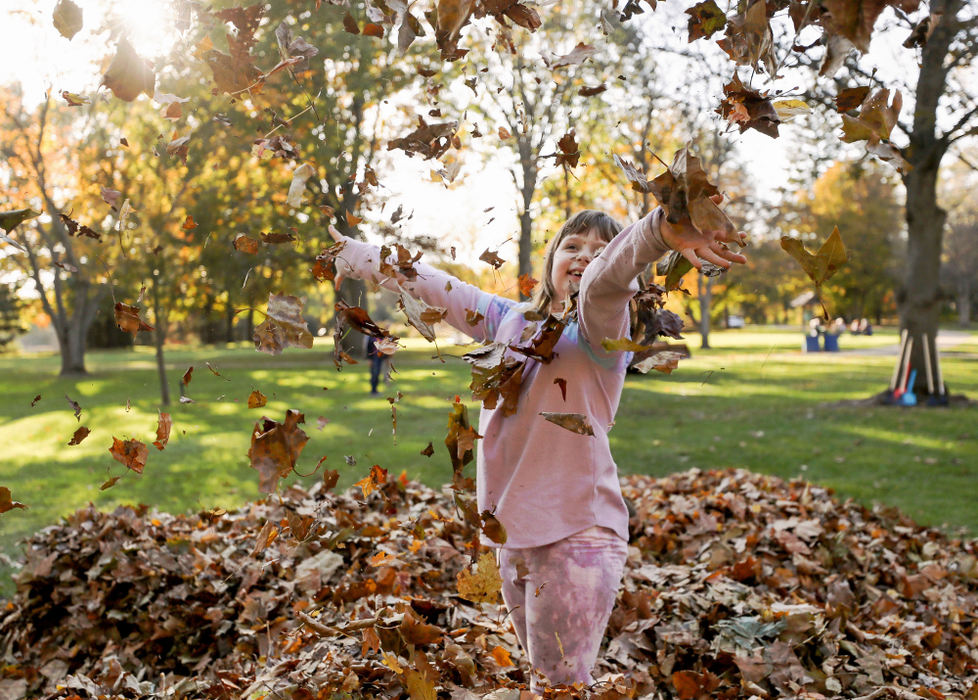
557 492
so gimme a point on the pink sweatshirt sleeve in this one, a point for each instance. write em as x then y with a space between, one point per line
432 286
609 281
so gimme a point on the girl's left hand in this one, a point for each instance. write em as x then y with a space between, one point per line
699 246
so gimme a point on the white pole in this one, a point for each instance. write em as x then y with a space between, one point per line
937 368
927 369
896 370
906 374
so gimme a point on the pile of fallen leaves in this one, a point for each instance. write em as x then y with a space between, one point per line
737 585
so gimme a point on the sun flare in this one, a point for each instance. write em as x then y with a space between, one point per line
149 25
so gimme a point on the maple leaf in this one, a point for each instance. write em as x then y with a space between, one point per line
6 502
705 20
256 399
526 284
877 117
275 448
481 585
574 422
235 72
245 243
855 20
131 453
129 75
80 434
67 18
570 151
428 140
822 265
748 40
491 257
163 426
850 98
283 326
369 483
128 320
684 191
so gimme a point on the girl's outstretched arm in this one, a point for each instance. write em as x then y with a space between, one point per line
609 281
470 310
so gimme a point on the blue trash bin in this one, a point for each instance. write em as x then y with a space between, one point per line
831 342
811 343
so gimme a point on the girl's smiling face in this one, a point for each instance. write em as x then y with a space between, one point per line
570 259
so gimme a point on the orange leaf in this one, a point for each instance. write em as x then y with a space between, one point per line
6 503
257 399
127 317
163 427
131 453
526 284
189 224
501 656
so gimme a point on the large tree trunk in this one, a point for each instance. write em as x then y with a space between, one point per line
919 295
159 338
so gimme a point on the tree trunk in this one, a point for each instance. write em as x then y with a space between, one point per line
72 348
705 289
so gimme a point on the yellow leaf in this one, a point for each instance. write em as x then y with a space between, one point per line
482 585
501 656
390 661
788 109
823 264
622 345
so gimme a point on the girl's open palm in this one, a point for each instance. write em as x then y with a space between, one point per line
702 246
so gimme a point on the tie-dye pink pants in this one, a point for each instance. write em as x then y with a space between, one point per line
560 597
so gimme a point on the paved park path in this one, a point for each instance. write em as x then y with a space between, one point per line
946 338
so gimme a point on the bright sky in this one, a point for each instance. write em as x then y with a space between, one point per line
34 54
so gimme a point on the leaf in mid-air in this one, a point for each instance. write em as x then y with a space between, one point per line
574 422
275 448
821 265
131 453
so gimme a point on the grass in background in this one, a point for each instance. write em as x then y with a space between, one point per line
752 401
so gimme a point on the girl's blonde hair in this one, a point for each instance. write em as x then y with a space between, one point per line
583 221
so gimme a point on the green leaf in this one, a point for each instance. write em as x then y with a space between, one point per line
9 220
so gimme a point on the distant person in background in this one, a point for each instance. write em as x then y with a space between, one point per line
854 326
864 327
377 361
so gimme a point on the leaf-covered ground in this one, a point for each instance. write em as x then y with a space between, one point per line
737 586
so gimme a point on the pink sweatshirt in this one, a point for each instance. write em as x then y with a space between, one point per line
543 482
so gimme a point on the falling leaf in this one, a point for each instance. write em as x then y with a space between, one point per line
298 185
569 151
188 375
877 117
9 220
428 450
591 91
324 268
6 504
36 399
74 100
420 315
109 483
526 284
76 229
483 584
461 437
276 238
748 40
850 98
664 361
79 435
580 53
283 327
562 385
491 257
67 18
111 197
330 478
747 108
128 320
352 219
495 377
635 176
403 264
369 483
163 426
492 528
822 265
292 47
275 448
429 140
705 20
245 243
131 453
684 190
179 148
128 74
358 318
189 224
789 109
75 407
574 422
257 399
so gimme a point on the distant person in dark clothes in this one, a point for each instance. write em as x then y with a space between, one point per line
377 361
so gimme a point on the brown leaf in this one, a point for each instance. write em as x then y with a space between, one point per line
109 483
74 406
324 269
822 265
369 483
526 284
163 426
283 327
276 238
67 18
492 528
330 478
591 91
131 453
428 450
580 53
128 320
562 385
570 152
850 98
748 39
350 24
428 140
420 315
76 229
128 75
491 257
417 632
79 435
257 399
877 117
574 422
748 109
403 264
188 375
461 437
6 504
275 448
189 224
35 400
245 243
635 176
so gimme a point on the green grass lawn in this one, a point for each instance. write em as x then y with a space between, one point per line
752 401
